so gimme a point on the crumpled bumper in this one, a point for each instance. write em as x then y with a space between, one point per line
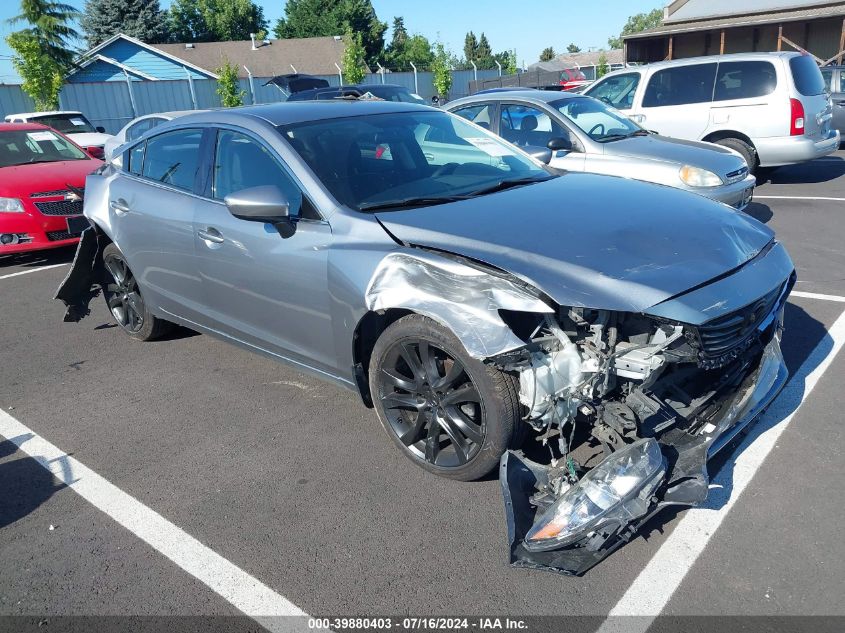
686 479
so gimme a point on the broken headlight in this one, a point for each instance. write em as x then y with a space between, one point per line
617 490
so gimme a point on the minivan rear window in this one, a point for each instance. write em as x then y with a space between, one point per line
806 75
744 80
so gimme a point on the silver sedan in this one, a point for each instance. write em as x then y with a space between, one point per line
579 133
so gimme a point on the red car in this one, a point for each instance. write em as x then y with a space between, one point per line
40 169
572 78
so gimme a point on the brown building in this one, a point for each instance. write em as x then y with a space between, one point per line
711 27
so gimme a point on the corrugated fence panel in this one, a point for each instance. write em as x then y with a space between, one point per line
106 104
14 100
162 96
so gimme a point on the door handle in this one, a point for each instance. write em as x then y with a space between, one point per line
119 206
211 235
839 103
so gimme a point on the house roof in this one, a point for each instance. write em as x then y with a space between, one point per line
753 19
688 10
573 60
313 55
91 55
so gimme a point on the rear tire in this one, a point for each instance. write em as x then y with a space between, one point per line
124 300
746 150
447 412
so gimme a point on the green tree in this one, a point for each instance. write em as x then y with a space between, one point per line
354 66
50 25
41 75
141 19
508 61
548 54
602 68
215 20
314 18
573 48
484 54
470 47
228 87
635 24
441 71
400 33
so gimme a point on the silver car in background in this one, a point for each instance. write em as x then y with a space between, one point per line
588 135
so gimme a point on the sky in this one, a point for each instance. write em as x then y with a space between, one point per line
528 26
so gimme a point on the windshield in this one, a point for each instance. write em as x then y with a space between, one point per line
600 122
65 123
24 147
408 159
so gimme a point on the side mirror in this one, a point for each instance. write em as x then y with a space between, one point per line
101 129
543 154
263 204
560 143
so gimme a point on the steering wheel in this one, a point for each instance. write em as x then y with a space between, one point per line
444 170
596 127
606 100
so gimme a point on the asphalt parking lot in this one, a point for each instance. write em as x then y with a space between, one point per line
220 483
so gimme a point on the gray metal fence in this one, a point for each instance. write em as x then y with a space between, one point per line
112 104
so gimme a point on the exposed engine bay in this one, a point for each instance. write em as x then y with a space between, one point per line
628 408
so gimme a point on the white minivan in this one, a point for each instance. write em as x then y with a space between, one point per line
770 107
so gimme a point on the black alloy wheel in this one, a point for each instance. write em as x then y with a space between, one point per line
122 297
431 403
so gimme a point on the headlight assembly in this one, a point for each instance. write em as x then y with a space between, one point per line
697 177
617 490
10 205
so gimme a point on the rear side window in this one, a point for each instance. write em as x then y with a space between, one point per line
680 85
806 75
172 158
744 80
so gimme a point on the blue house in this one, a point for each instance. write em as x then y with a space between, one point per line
121 56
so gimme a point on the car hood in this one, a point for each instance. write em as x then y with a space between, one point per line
715 158
589 240
21 181
89 139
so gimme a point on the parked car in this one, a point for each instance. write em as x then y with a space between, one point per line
571 78
137 128
770 107
589 135
467 302
834 80
388 92
42 174
69 122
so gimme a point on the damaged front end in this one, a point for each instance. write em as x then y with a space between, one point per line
628 407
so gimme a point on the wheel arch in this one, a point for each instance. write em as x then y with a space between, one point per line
720 135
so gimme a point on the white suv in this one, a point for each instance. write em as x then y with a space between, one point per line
770 107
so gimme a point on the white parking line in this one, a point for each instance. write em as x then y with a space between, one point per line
652 589
816 295
756 197
30 270
236 586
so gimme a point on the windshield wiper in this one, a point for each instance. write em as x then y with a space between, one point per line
619 137
507 184
406 203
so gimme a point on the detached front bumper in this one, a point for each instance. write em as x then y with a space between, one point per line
685 480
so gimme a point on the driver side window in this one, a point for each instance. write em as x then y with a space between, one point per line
528 126
617 91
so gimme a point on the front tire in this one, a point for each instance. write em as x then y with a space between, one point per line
124 300
447 412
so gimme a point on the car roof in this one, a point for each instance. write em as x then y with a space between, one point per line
16 127
535 96
33 115
287 113
728 57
